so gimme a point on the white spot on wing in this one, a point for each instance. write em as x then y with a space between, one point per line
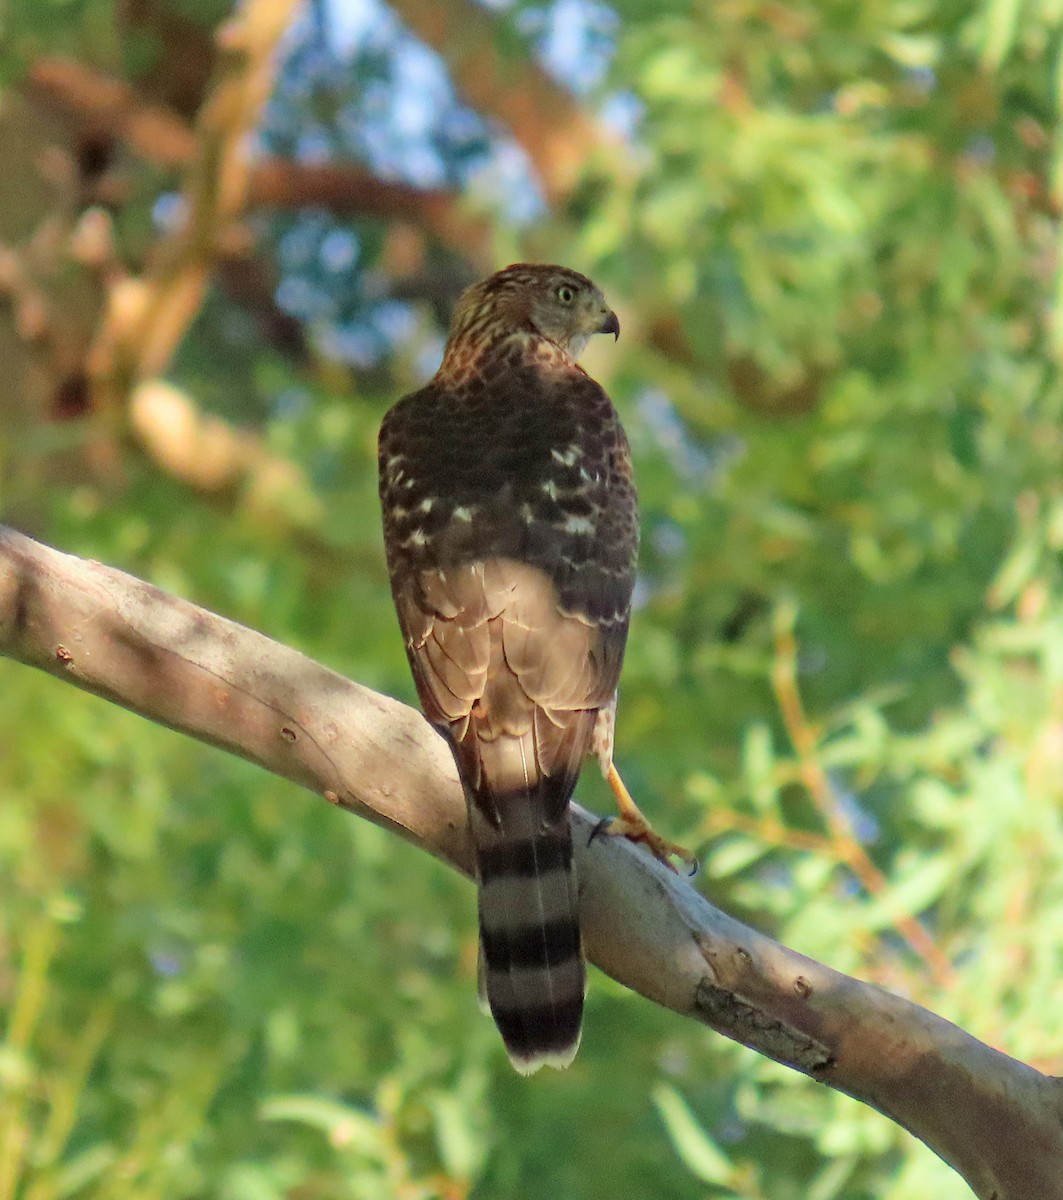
550 488
578 525
417 538
461 513
426 504
567 457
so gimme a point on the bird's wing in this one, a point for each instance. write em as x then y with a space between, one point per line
512 534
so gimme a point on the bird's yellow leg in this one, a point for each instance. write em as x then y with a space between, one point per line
634 826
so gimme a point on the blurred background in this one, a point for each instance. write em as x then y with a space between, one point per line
229 240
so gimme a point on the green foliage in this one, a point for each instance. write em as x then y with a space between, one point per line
844 684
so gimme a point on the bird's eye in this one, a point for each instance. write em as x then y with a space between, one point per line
565 294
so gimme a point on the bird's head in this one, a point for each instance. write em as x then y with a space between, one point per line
558 304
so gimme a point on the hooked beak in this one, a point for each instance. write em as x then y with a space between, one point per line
610 324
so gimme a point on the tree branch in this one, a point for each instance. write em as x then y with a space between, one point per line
96 102
100 104
491 68
998 1122
221 461
347 189
147 317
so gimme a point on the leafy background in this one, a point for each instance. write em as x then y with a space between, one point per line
831 232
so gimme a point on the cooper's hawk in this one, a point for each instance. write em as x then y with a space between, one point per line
511 531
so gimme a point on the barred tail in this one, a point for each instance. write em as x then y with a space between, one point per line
532 965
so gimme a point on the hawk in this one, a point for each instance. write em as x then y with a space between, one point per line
511 533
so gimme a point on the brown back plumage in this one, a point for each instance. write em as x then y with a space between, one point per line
511 534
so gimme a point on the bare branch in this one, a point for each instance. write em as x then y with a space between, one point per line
344 188
998 1122
493 71
147 317
98 102
215 459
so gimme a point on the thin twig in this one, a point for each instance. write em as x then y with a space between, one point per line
765 829
846 845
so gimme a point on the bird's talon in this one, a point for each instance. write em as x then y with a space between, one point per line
601 827
639 831
634 826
